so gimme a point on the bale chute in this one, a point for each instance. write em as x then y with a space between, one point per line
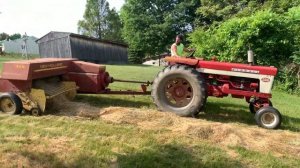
48 91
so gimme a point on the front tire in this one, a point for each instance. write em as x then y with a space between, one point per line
179 89
11 104
268 117
253 107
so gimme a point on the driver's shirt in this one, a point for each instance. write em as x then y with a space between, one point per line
179 50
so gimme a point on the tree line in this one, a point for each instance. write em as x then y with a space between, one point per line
222 28
5 36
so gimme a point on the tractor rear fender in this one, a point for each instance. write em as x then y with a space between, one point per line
182 61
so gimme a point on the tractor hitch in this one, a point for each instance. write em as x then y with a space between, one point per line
144 86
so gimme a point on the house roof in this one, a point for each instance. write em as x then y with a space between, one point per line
85 37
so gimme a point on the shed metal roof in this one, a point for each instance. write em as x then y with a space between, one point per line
86 38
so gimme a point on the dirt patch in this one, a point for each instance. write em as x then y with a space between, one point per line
250 137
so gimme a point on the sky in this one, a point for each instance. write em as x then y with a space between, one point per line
39 17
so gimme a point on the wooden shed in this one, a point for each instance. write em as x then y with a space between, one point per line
70 45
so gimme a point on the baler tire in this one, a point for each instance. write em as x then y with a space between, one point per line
268 113
35 112
15 103
252 108
185 74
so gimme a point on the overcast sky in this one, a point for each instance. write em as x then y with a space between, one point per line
38 17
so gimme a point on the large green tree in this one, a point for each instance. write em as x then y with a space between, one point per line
114 26
15 36
214 11
218 11
267 33
4 36
150 26
290 78
100 22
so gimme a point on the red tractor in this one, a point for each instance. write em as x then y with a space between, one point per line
183 87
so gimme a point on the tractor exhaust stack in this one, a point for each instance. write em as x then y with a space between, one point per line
250 57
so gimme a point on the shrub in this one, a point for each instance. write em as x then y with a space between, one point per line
267 34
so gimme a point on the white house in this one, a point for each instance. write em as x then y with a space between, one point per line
17 46
157 62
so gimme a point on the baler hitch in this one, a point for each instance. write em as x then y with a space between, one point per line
148 83
144 86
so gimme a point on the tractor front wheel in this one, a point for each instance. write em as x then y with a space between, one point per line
179 89
268 117
10 103
256 104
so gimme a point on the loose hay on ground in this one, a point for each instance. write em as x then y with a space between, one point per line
251 137
63 107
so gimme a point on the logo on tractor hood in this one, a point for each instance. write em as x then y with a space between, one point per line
265 79
245 70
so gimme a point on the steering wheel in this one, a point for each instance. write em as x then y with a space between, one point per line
191 54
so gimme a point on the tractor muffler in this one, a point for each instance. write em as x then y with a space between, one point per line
250 57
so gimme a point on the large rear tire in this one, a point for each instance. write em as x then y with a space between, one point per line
179 89
11 104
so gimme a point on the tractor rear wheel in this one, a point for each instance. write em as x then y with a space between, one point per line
10 103
268 117
179 89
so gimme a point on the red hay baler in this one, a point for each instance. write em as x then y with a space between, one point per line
30 84
182 87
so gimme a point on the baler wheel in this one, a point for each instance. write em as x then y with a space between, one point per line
256 104
268 117
10 103
179 89
36 112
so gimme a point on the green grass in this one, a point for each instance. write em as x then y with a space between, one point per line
61 141
10 57
265 160
98 144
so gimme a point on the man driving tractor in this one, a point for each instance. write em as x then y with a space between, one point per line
178 49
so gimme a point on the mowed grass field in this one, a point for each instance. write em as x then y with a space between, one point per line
8 58
72 141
